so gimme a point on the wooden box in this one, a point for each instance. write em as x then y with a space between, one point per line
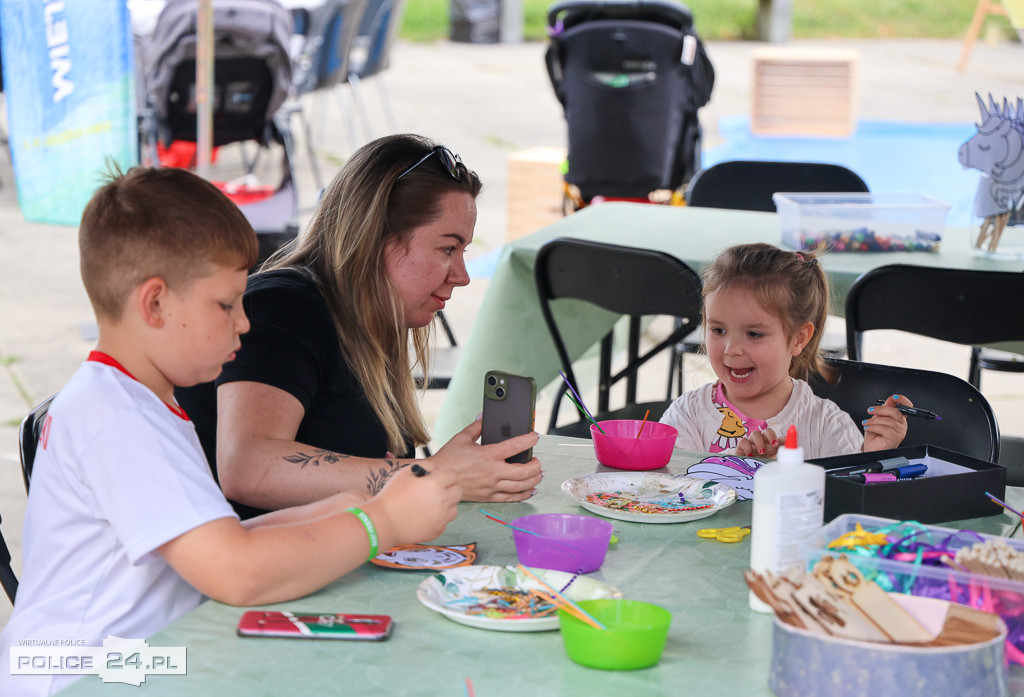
534 190
800 91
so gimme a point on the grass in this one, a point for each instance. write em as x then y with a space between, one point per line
428 20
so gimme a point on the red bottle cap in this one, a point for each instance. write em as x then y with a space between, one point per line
791 437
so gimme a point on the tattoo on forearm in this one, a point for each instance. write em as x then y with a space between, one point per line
376 480
316 458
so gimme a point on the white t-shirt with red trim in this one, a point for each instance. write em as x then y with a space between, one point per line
117 474
708 422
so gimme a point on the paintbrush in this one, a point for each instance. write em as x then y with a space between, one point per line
567 548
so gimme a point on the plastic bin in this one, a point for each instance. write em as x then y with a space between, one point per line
475 21
861 222
1002 596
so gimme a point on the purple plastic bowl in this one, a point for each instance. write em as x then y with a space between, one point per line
620 448
566 542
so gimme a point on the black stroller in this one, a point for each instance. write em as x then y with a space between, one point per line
631 75
252 75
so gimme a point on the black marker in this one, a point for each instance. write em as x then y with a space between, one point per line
419 471
914 411
854 469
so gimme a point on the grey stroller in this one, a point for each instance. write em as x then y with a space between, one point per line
252 75
631 75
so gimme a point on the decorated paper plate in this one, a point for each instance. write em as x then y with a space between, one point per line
649 497
499 598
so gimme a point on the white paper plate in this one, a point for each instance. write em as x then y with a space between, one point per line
652 488
452 593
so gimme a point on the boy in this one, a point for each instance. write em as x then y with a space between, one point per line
125 528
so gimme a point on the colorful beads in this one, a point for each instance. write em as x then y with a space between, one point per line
866 240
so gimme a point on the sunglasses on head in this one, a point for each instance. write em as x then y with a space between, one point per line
449 160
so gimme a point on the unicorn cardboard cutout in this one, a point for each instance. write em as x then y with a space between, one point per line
997 150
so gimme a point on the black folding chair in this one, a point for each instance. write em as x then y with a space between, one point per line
371 55
748 185
445 360
328 32
28 438
955 305
7 578
625 280
968 424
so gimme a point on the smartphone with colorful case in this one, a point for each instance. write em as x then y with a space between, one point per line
510 403
315 625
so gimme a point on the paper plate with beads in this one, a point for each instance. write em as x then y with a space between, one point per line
649 497
500 597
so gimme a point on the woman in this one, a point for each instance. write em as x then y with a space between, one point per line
321 393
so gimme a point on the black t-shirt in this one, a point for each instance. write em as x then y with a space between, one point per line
292 345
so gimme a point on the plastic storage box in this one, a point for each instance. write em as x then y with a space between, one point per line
1003 596
861 222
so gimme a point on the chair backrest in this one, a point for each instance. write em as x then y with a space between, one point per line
956 305
28 438
968 424
330 32
8 580
625 280
376 34
748 185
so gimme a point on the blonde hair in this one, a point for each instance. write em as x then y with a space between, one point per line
789 285
364 208
157 222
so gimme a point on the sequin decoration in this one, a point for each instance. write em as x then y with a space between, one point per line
621 501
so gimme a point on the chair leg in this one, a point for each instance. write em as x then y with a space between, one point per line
357 97
984 8
346 117
974 372
385 103
307 134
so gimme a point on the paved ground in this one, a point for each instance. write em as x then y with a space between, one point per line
484 102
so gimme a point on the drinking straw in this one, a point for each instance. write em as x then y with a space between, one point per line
579 402
567 548
469 688
565 602
1018 513
583 410
644 423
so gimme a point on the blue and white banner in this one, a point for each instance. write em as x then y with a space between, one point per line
68 83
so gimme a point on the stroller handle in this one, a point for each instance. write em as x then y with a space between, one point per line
665 11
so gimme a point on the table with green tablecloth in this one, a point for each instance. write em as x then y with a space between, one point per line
716 645
509 331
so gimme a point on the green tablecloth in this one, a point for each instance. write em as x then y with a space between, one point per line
509 332
716 645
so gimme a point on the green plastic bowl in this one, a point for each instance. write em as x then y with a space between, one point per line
635 637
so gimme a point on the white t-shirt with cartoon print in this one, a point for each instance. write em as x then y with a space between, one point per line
117 474
708 422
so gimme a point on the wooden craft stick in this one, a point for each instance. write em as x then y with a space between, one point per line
873 602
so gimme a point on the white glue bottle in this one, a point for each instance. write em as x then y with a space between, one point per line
789 507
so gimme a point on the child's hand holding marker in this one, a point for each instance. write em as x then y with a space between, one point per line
886 426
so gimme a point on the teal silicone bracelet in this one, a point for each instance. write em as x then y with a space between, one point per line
371 531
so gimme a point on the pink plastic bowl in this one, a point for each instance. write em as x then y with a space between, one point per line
619 447
566 542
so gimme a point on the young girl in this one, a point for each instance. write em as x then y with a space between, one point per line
764 309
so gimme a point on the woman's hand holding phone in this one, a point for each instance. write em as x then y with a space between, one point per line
483 470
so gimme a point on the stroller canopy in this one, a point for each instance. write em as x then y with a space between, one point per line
259 29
